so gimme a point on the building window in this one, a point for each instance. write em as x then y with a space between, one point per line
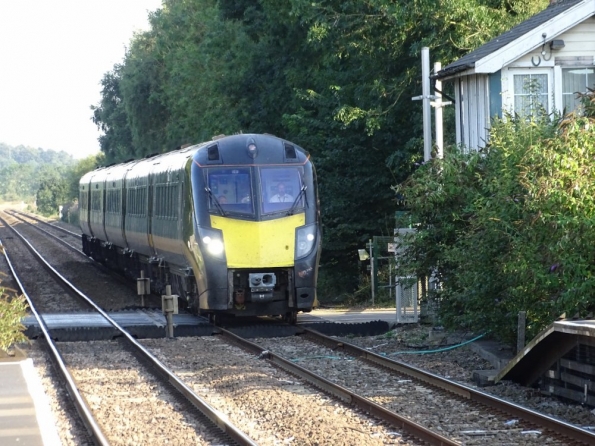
575 80
530 94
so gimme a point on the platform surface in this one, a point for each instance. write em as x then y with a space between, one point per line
545 349
25 417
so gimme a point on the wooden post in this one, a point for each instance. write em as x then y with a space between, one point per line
522 323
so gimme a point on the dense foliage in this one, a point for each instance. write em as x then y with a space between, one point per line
21 169
12 310
336 77
45 177
509 229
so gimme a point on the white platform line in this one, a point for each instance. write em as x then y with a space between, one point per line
45 418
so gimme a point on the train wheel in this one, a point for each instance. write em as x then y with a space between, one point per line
291 317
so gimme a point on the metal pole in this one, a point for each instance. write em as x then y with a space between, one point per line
142 287
438 113
427 110
372 272
168 309
398 293
390 280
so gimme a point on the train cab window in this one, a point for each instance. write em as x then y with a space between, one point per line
281 189
230 190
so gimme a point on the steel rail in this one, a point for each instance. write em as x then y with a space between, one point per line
557 426
39 228
101 266
33 217
216 417
340 392
79 402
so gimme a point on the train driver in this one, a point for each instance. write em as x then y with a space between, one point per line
281 196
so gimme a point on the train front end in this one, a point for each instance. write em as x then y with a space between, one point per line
255 242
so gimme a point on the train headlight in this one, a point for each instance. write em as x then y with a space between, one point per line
214 246
212 240
305 239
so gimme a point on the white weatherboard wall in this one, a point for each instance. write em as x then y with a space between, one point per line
472 110
579 51
472 89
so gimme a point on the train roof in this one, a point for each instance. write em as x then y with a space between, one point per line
241 149
247 149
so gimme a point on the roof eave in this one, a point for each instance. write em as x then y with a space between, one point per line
527 42
454 72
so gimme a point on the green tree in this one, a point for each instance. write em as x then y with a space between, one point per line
52 192
111 118
74 174
336 77
20 169
355 110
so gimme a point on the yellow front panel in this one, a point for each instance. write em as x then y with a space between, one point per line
259 244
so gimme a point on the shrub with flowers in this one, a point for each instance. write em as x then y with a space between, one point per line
509 228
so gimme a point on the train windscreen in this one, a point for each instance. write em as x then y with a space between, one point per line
281 189
230 190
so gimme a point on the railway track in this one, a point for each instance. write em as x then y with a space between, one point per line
379 387
110 290
107 355
386 387
208 427
52 226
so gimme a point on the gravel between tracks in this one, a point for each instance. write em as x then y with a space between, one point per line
270 406
275 408
459 364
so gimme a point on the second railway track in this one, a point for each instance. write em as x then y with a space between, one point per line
459 412
149 413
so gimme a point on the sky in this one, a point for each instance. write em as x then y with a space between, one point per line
53 55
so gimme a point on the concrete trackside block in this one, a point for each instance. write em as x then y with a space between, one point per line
494 352
484 378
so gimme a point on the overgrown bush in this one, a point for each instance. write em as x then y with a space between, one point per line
12 309
70 213
509 228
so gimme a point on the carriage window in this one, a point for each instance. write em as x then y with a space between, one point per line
96 200
136 204
231 189
166 201
114 200
281 187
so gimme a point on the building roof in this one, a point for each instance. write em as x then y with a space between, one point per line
468 61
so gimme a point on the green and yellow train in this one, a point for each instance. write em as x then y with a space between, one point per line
232 224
